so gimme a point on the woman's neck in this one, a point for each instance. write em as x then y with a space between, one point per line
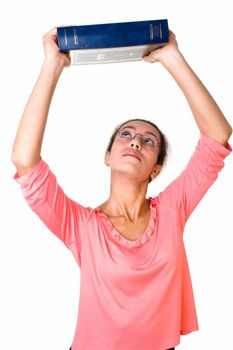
127 198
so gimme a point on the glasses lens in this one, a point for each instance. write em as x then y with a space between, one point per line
126 133
149 140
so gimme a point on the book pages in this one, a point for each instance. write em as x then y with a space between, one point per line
110 55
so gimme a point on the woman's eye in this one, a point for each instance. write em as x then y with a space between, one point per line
125 133
148 141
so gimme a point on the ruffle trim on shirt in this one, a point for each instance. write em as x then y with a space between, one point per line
150 229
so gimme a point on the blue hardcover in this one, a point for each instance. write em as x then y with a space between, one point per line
110 35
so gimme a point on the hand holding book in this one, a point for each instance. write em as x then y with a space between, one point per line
52 52
160 54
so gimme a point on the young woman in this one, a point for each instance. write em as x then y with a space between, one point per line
136 291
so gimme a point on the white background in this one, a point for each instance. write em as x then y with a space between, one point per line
39 276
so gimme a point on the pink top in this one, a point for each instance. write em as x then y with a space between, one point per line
134 295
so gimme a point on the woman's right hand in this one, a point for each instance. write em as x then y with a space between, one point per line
52 51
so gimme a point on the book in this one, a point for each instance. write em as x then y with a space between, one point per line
112 42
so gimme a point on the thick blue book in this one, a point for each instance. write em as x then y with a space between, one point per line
112 42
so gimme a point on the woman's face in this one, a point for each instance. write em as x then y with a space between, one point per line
135 157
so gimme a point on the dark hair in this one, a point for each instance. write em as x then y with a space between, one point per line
163 145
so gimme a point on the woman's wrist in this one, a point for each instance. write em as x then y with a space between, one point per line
53 67
55 61
172 59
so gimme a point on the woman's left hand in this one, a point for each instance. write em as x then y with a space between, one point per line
159 54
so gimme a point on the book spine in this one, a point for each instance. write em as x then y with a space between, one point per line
111 35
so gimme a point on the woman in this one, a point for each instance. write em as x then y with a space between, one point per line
136 291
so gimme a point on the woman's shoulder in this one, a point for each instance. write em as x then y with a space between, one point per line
101 207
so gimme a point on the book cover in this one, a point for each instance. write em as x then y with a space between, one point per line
112 42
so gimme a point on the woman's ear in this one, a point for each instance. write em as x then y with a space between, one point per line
106 158
156 171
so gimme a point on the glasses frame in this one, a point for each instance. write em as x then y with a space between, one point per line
132 131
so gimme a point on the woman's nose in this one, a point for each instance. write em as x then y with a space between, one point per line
135 143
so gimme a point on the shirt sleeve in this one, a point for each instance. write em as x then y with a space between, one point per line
186 191
63 216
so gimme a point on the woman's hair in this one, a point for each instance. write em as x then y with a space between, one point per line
163 148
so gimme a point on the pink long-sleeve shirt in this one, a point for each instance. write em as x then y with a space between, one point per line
134 295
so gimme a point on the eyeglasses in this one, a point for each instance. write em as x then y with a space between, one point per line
130 134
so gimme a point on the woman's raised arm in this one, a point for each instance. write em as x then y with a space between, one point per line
208 116
29 137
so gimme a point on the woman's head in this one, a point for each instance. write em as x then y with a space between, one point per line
152 145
